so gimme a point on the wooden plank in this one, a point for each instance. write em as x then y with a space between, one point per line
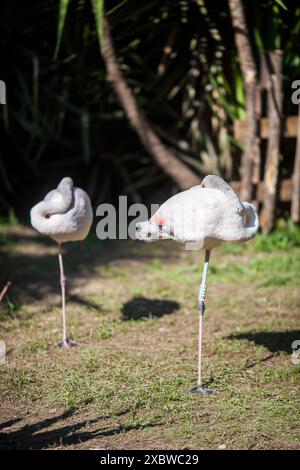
275 114
290 128
295 206
285 190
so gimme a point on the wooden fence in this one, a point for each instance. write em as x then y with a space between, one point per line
287 190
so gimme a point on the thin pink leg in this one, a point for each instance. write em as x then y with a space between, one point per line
65 343
202 292
199 382
63 296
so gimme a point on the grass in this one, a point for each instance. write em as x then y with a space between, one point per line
132 309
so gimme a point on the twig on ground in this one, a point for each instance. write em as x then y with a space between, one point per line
4 290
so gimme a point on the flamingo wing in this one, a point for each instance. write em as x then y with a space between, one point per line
191 215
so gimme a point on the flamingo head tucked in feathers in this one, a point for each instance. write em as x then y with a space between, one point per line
65 213
147 232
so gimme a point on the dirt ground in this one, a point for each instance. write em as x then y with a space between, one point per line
132 308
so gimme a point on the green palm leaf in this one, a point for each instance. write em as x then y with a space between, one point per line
63 8
98 7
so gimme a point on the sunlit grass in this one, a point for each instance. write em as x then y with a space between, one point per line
135 364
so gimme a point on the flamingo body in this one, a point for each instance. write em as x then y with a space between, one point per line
65 214
208 214
202 217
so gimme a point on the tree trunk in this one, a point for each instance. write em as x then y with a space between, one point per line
174 168
248 68
295 209
274 65
260 89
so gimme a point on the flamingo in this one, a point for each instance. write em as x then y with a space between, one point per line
202 217
65 214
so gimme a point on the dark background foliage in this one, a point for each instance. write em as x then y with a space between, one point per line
179 58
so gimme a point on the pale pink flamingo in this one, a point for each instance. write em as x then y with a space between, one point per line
202 218
65 214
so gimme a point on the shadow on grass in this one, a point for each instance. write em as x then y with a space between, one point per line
140 308
274 341
34 272
31 437
7 424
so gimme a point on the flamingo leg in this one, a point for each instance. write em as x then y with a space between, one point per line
201 307
65 343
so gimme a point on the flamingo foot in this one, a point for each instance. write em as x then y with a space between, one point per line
204 391
67 344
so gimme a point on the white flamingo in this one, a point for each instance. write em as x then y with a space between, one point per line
65 214
202 217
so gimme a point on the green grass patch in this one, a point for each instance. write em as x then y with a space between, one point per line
135 320
284 237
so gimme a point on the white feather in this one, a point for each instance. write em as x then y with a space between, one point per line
65 214
207 214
